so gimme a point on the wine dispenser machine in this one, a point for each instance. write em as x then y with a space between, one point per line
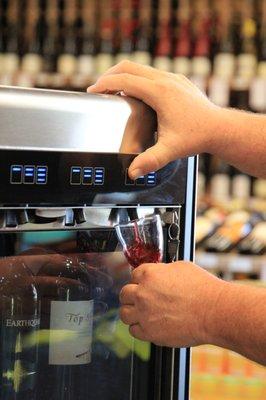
72 226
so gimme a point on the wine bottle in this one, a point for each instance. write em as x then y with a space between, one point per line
87 38
126 31
142 48
50 39
220 182
247 58
163 47
182 48
32 61
66 325
257 94
10 59
2 37
20 323
255 242
105 57
241 185
219 90
262 44
201 63
239 95
224 60
67 60
236 227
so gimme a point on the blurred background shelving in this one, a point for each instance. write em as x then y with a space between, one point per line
221 47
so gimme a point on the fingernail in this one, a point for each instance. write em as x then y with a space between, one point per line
136 173
90 88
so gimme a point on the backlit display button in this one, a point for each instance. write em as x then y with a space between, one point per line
151 178
41 175
87 176
75 178
99 176
128 180
140 181
29 174
16 174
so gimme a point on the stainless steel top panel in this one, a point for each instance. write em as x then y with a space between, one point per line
37 119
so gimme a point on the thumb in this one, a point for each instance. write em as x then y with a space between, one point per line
150 160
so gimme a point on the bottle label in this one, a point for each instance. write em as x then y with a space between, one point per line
163 63
224 65
67 64
86 65
257 95
219 91
182 65
31 63
19 354
141 57
104 61
10 63
201 66
71 324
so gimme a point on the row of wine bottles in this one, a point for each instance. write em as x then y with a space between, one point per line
46 327
194 37
242 231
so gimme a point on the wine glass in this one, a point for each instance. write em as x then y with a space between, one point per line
142 240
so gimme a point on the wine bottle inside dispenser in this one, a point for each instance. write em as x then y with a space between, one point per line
66 331
20 323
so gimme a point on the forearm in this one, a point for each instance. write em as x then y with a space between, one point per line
239 138
237 321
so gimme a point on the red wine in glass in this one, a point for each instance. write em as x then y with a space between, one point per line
140 252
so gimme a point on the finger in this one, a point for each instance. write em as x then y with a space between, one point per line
137 332
135 86
145 71
128 315
128 294
139 273
151 160
132 68
136 275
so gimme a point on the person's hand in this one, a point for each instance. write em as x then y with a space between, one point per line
170 304
186 118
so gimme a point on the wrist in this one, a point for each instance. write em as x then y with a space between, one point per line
216 128
216 298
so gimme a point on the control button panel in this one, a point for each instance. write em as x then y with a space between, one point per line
16 174
98 176
87 176
29 174
75 177
144 180
41 175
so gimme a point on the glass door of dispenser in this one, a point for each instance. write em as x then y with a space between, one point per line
61 335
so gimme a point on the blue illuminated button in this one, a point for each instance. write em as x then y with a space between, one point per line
128 180
87 176
29 174
140 181
98 176
151 178
16 174
41 175
75 177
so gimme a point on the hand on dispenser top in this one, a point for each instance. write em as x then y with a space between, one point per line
188 123
182 305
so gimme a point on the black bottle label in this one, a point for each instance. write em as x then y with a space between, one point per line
19 349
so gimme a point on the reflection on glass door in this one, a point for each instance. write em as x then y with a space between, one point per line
61 336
